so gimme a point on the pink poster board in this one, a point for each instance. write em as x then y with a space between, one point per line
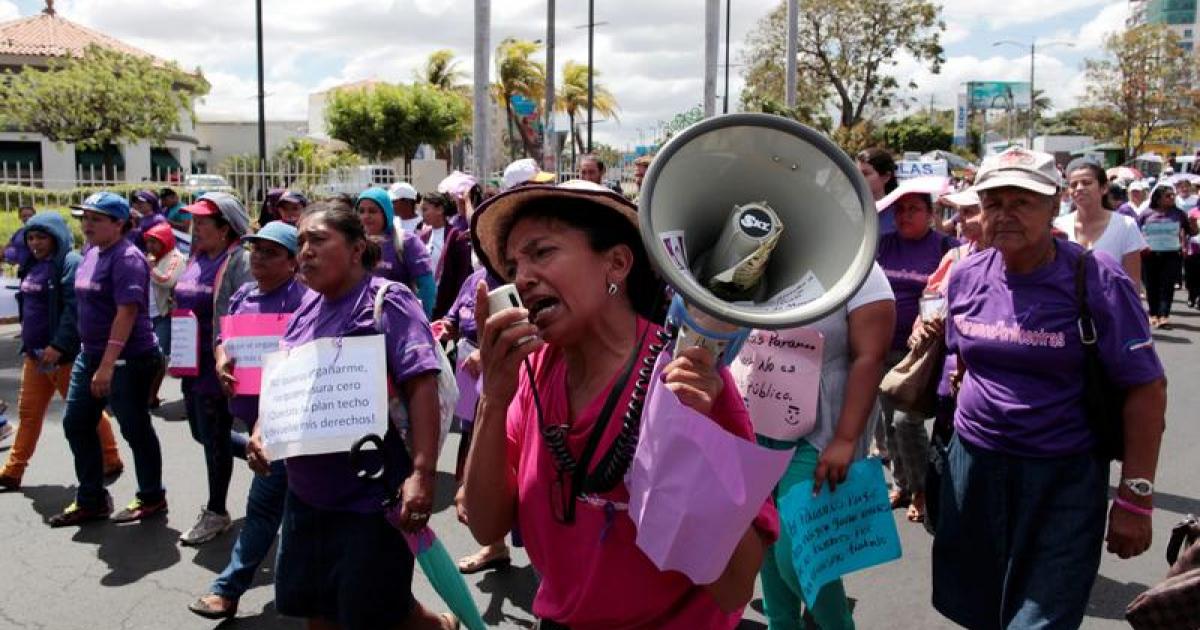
246 338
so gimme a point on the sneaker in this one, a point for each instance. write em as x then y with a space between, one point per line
77 515
208 526
138 510
6 430
9 483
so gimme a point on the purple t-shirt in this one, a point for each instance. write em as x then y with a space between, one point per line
105 279
328 481
248 300
416 261
907 265
462 312
194 292
1164 229
1128 210
35 306
1018 334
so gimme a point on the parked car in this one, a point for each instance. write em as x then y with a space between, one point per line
206 183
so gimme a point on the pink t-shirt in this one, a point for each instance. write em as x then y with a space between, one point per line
593 574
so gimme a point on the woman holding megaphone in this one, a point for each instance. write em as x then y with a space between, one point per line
556 382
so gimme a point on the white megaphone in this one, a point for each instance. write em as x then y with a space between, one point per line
756 221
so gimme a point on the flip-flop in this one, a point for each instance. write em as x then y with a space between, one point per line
898 500
473 564
450 621
915 514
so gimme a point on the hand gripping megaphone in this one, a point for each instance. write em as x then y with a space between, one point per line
755 221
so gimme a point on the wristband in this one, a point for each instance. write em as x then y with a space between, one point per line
1132 508
114 342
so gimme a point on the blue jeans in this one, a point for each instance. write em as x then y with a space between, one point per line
264 512
162 330
1018 539
210 422
128 400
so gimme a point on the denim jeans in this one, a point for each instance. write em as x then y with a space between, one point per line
264 512
210 422
128 399
1018 539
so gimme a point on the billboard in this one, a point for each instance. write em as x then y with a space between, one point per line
998 94
961 113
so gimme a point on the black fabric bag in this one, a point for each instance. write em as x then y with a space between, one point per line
1104 403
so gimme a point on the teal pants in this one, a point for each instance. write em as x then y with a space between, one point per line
782 598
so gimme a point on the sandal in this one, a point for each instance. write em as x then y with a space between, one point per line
916 510
449 621
208 606
898 499
480 561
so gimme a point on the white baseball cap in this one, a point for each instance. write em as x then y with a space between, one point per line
1032 170
402 190
522 171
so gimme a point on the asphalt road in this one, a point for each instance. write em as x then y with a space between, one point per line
138 576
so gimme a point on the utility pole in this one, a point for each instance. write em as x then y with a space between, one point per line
793 34
262 109
712 35
549 144
1032 91
591 72
728 25
479 130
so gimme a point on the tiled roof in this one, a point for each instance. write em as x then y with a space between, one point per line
46 35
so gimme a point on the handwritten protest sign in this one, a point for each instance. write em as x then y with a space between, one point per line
185 344
835 533
321 396
246 338
779 376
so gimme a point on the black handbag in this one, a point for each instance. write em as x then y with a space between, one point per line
1103 402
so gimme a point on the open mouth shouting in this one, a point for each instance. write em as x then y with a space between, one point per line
542 309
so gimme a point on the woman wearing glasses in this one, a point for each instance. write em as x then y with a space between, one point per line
576 258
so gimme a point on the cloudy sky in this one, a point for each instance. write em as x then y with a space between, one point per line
649 53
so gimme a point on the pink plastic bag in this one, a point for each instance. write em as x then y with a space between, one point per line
694 488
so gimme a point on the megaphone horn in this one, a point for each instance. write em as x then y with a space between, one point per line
756 221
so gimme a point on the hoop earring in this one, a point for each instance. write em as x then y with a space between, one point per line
612 288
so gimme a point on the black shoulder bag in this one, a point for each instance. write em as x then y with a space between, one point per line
1103 402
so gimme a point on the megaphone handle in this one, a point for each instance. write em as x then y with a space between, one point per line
724 344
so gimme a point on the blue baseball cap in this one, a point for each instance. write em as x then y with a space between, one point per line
277 232
107 203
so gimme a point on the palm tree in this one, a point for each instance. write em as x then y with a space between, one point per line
519 75
572 99
441 71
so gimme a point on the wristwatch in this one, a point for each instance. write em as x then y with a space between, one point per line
1139 486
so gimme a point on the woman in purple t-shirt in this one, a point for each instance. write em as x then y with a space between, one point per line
217 268
116 366
1165 227
1022 501
402 256
342 559
908 256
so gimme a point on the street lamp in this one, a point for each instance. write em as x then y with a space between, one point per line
1032 56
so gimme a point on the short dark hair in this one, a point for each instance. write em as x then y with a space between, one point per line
882 161
167 192
345 220
1157 193
449 207
595 158
605 229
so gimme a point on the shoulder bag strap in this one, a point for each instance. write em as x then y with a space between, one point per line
1087 326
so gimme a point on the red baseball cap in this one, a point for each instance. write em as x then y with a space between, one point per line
203 208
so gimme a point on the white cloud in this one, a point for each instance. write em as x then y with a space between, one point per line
1110 20
8 11
649 54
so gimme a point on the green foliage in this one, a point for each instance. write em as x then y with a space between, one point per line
389 121
518 73
916 133
441 71
1142 86
1069 122
847 52
572 98
104 97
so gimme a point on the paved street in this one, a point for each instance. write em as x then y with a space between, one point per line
138 576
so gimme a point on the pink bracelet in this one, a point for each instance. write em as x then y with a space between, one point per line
114 342
1130 507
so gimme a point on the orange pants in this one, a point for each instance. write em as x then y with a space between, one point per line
36 389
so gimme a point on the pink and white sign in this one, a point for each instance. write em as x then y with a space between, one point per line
246 338
779 376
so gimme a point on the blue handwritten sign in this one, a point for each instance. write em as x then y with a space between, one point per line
835 533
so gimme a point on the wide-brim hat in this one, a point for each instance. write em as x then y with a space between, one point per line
493 219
